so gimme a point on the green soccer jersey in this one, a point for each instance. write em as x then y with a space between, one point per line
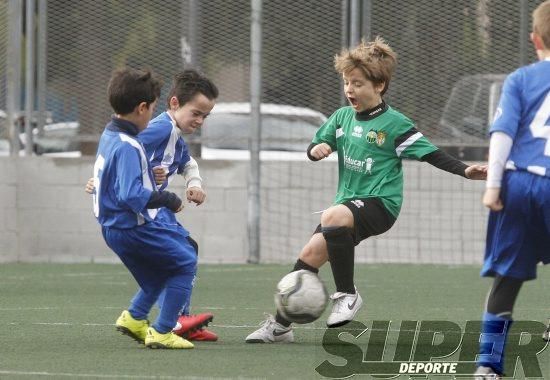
370 150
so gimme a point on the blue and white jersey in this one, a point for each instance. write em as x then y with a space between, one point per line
122 178
524 115
165 146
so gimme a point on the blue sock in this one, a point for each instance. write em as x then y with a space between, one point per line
187 304
142 303
176 292
494 333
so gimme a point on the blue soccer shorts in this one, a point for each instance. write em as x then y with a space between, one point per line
518 237
153 252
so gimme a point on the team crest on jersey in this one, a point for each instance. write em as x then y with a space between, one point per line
380 138
357 131
371 137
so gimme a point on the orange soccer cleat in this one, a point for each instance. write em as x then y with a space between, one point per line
189 323
201 335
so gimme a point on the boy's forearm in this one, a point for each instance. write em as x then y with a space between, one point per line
446 162
499 150
164 199
191 174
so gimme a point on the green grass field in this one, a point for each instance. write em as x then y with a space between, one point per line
57 321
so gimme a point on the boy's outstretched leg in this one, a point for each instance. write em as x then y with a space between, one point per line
278 329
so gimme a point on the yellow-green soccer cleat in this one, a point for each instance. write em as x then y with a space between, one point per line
135 329
155 339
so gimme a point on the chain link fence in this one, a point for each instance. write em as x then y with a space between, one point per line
452 57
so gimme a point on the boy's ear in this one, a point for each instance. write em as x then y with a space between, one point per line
142 107
174 103
537 41
379 87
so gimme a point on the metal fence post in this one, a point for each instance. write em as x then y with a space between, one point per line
29 75
13 74
41 64
255 131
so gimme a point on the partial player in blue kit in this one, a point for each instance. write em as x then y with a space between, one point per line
126 204
517 193
190 100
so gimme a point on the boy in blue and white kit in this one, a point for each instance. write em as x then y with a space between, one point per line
518 194
126 205
190 101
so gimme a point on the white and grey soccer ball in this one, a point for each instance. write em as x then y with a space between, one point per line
301 296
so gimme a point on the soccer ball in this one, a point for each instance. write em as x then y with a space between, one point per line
301 296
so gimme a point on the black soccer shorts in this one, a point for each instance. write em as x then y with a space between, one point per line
370 218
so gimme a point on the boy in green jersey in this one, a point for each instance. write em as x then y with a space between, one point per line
371 139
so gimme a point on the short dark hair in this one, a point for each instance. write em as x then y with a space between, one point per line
189 83
129 87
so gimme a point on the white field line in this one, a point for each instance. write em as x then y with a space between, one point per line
112 324
103 376
118 307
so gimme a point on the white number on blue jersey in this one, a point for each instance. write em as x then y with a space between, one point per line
98 167
538 126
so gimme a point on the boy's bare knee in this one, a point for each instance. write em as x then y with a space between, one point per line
337 216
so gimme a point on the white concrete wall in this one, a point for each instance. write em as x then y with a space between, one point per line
45 215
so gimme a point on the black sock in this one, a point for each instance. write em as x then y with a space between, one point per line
282 320
301 265
341 252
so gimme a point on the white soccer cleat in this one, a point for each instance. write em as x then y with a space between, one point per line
485 373
271 332
344 308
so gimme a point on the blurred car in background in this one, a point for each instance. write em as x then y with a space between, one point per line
56 139
286 132
468 114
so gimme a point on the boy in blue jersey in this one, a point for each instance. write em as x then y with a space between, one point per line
371 140
517 193
126 204
190 100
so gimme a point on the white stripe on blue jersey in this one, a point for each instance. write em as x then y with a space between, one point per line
123 181
165 146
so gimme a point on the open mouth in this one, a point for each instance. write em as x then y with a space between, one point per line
354 103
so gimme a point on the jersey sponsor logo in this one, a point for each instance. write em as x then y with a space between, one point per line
371 137
357 131
360 166
368 167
